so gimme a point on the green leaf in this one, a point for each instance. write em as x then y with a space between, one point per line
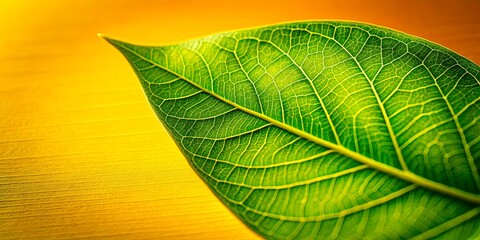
325 129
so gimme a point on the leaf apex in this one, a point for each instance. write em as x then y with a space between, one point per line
101 35
110 40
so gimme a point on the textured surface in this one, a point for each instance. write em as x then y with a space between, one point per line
82 154
325 129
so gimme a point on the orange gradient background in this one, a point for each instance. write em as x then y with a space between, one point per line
81 153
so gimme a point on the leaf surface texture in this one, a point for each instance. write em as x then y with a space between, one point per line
325 129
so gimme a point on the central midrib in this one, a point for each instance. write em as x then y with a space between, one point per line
401 174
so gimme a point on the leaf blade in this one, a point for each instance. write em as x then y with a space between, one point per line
272 122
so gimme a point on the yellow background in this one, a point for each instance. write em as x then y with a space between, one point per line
81 152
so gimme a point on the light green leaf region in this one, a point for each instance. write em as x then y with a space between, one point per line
324 130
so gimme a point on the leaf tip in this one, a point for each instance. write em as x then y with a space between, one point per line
112 41
101 35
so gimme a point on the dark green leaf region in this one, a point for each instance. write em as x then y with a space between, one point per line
325 130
